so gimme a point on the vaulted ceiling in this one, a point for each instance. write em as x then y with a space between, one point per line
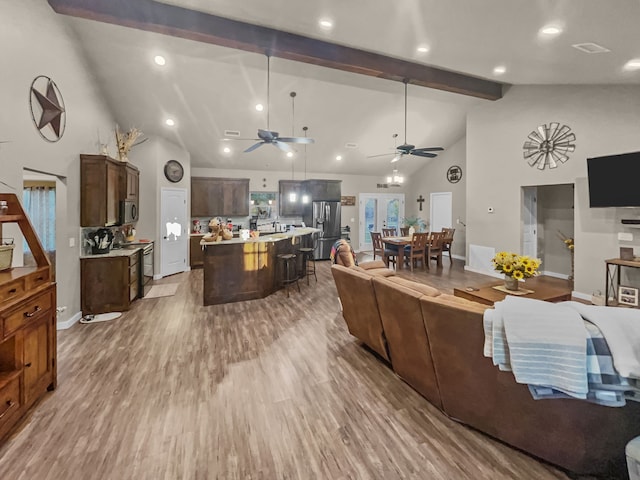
208 88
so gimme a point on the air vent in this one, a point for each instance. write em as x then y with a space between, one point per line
350 145
231 133
590 47
383 185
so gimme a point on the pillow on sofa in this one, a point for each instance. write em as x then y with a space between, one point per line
380 272
373 264
343 254
418 287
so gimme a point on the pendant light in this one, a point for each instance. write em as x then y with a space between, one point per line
305 196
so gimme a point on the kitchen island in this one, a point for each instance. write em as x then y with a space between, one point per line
237 270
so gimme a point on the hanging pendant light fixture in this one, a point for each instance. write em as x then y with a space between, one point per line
395 179
305 196
292 196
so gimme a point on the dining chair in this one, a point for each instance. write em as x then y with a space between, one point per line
404 231
378 246
434 248
388 232
448 240
416 249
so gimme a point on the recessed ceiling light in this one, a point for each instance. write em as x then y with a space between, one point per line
226 150
289 154
160 60
551 30
259 107
326 23
499 70
632 64
170 122
339 157
422 49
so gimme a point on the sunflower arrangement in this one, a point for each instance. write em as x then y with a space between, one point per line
516 266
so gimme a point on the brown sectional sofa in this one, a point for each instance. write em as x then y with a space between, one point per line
434 342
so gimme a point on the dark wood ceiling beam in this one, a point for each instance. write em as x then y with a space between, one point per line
153 16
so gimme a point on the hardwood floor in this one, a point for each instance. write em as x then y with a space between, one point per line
264 389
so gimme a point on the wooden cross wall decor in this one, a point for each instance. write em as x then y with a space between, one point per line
420 200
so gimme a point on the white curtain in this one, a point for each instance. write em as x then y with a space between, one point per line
40 205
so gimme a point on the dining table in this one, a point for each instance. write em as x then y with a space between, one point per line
400 242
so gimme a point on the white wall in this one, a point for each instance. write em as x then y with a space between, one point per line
433 178
605 120
351 185
34 41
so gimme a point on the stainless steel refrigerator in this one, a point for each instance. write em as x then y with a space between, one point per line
326 217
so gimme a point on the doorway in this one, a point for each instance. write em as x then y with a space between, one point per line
39 202
174 236
441 211
377 211
547 219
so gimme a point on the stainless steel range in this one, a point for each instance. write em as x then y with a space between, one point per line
146 272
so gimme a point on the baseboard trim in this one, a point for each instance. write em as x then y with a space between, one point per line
459 257
70 322
555 275
158 277
581 296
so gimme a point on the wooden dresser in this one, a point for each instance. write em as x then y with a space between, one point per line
27 326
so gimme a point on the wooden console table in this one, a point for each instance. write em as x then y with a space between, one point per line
544 288
613 269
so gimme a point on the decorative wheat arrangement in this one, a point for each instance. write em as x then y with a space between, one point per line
126 141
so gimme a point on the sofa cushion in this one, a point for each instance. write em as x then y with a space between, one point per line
373 264
419 287
463 303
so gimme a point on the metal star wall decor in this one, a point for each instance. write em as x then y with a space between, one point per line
47 108
549 145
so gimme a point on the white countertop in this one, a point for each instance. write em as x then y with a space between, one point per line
119 252
273 237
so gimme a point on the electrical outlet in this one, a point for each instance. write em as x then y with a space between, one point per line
490 210
458 220
72 242
625 237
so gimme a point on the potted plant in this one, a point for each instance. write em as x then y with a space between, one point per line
418 224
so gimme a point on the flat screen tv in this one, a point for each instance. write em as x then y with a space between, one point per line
614 180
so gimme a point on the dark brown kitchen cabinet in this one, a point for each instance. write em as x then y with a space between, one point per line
131 184
109 283
104 184
196 256
225 197
323 190
27 326
288 205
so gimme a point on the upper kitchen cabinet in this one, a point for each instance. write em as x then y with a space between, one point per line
131 183
104 184
323 190
213 196
291 198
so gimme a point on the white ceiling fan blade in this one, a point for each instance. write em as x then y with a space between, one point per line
254 146
282 146
296 139
381 155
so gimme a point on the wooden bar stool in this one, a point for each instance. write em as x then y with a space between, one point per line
289 272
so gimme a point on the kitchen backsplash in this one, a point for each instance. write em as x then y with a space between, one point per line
244 222
119 236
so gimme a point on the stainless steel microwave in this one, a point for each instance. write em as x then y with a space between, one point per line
128 212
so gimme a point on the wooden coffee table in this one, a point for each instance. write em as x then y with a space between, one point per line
545 288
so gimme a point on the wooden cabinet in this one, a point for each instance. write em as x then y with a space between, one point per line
104 184
289 207
131 183
224 197
196 256
27 327
323 190
109 283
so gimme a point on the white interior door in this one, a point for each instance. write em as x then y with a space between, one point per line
378 210
174 235
530 221
441 211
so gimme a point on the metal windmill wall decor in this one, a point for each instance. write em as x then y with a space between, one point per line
548 145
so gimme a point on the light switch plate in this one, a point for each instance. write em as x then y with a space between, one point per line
625 236
72 242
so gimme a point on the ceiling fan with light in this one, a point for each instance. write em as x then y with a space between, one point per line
407 148
267 136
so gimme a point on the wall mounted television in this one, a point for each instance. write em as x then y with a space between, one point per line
614 180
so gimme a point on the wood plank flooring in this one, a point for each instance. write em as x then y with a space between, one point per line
265 389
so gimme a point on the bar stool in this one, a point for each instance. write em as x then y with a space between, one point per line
308 263
289 273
